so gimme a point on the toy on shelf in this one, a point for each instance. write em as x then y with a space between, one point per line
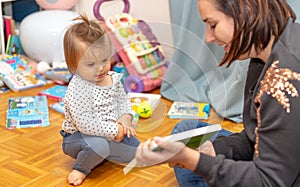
138 48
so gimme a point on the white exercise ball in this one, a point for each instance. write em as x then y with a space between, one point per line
41 34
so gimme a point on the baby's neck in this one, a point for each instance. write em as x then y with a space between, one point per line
106 81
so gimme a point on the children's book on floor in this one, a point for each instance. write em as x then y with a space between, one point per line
19 74
58 75
191 138
56 93
23 81
137 98
189 110
3 87
27 112
58 107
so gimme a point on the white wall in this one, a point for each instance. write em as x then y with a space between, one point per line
155 12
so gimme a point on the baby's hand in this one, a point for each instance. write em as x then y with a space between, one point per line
126 121
119 137
129 131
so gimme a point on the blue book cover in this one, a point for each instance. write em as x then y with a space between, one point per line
14 46
189 110
59 75
58 107
27 112
56 92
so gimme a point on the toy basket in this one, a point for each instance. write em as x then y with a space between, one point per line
138 48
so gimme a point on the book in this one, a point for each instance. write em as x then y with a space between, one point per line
27 112
191 138
23 81
8 26
4 89
58 75
137 98
58 107
190 110
56 93
16 63
13 45
18 73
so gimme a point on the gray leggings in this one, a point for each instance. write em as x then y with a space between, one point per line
89 151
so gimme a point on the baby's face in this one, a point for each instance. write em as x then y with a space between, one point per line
94 65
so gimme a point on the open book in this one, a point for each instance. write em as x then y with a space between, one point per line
192 138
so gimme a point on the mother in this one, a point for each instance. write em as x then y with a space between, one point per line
267 151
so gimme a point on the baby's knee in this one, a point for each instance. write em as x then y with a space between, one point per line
100 149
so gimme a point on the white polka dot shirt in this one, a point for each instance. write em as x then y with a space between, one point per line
94 110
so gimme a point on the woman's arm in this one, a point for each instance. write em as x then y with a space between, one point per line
236 146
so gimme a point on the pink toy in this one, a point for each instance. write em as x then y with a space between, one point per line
139 49
57 4
98 3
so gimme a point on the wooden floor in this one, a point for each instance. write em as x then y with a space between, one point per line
33 157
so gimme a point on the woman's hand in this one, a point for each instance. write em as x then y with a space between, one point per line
207 148
173 153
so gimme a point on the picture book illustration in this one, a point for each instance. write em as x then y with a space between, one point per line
56 93
190 110
14 45
23 80
19 74
27 112
15 63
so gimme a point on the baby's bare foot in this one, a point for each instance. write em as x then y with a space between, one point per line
76 177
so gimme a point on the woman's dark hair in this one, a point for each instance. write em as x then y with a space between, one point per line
255 21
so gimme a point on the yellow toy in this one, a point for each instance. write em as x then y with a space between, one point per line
144 110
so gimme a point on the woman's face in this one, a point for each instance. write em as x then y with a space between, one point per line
219 27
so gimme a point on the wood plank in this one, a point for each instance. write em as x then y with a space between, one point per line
33 157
